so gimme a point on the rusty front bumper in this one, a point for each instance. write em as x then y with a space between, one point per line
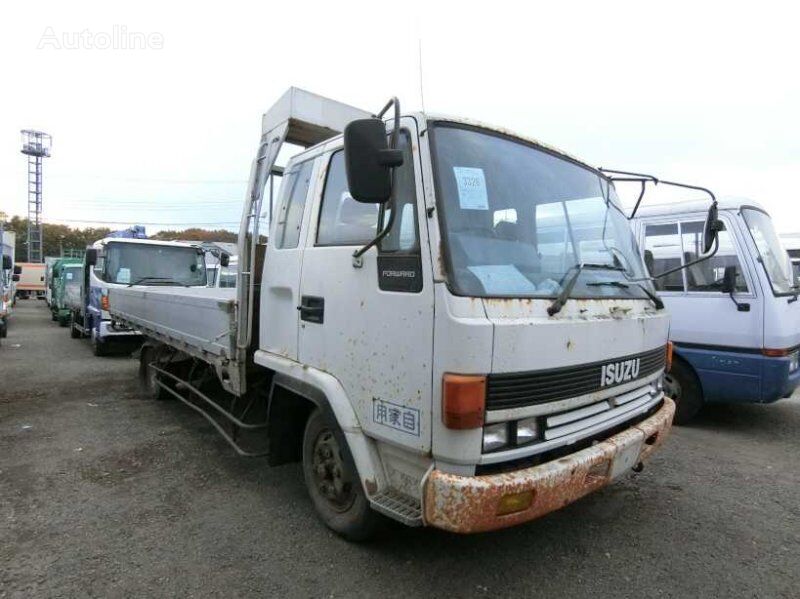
470 503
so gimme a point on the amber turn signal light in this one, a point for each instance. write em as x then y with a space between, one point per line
668 365
104 303
463 401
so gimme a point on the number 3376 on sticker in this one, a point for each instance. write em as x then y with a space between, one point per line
471 188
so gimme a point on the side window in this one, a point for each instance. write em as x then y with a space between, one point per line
662 252
293 203
708 275
342 220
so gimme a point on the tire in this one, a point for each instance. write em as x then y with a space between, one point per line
148 376
73 331
683 387
333 482
99 348
4 330
53 316
63 321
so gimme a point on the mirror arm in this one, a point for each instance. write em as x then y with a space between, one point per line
740 306
357 261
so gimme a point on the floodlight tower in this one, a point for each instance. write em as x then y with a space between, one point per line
36 145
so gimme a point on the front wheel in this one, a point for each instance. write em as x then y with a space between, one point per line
148 376
99 348
683 387
333 482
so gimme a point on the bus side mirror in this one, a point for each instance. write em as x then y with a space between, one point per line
729 279
712 228
369 161
91 256
6 262
15 277
17 269
729 286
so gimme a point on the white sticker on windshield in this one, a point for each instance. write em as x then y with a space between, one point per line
502 279
124 275
69 276
471 188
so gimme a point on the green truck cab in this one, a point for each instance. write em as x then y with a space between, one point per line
66 283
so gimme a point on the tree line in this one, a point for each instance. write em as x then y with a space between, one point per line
56 237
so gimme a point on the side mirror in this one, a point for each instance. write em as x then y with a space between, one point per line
6 262
369 161
15 277
17 269
91 256
712 228
224 259
729 286
729 279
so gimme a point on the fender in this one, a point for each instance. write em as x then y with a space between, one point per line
325 390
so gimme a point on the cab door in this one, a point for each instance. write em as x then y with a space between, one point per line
707 327
371 325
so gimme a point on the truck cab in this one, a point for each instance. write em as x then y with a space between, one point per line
116 262
735 317
451 325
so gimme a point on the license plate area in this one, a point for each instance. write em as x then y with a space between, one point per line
627 456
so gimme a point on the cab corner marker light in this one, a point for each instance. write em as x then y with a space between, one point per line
104 303
775 353
463 401
668 365
514 502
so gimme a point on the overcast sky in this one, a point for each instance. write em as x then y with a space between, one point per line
165 134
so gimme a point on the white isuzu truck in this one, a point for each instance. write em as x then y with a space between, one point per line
451 325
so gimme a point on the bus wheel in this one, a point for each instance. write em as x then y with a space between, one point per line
333 482
682 386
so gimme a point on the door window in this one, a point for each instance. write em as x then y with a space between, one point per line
662 252
671 245
342 220
709 274
290 213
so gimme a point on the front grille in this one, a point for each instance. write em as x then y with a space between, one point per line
520 389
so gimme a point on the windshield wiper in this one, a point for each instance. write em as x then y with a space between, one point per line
659 305
165 280
562 298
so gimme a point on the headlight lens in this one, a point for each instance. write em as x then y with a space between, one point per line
527 431
495 436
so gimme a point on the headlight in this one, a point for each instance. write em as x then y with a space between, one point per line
495 436
794 361
527 431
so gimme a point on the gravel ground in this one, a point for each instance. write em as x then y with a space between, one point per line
105 493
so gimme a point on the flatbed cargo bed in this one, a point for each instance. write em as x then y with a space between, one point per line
197 320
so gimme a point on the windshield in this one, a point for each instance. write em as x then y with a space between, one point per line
517 221
153 264
72 277
774 258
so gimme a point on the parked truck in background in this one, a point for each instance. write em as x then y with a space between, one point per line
791 241
55 271
67 291
735 317
9 275
453 327
31 282
118 261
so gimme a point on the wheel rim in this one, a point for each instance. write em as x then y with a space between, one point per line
331 477
672 388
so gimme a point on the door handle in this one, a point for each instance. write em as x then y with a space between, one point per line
312 309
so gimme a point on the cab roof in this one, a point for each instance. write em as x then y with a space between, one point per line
729 203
